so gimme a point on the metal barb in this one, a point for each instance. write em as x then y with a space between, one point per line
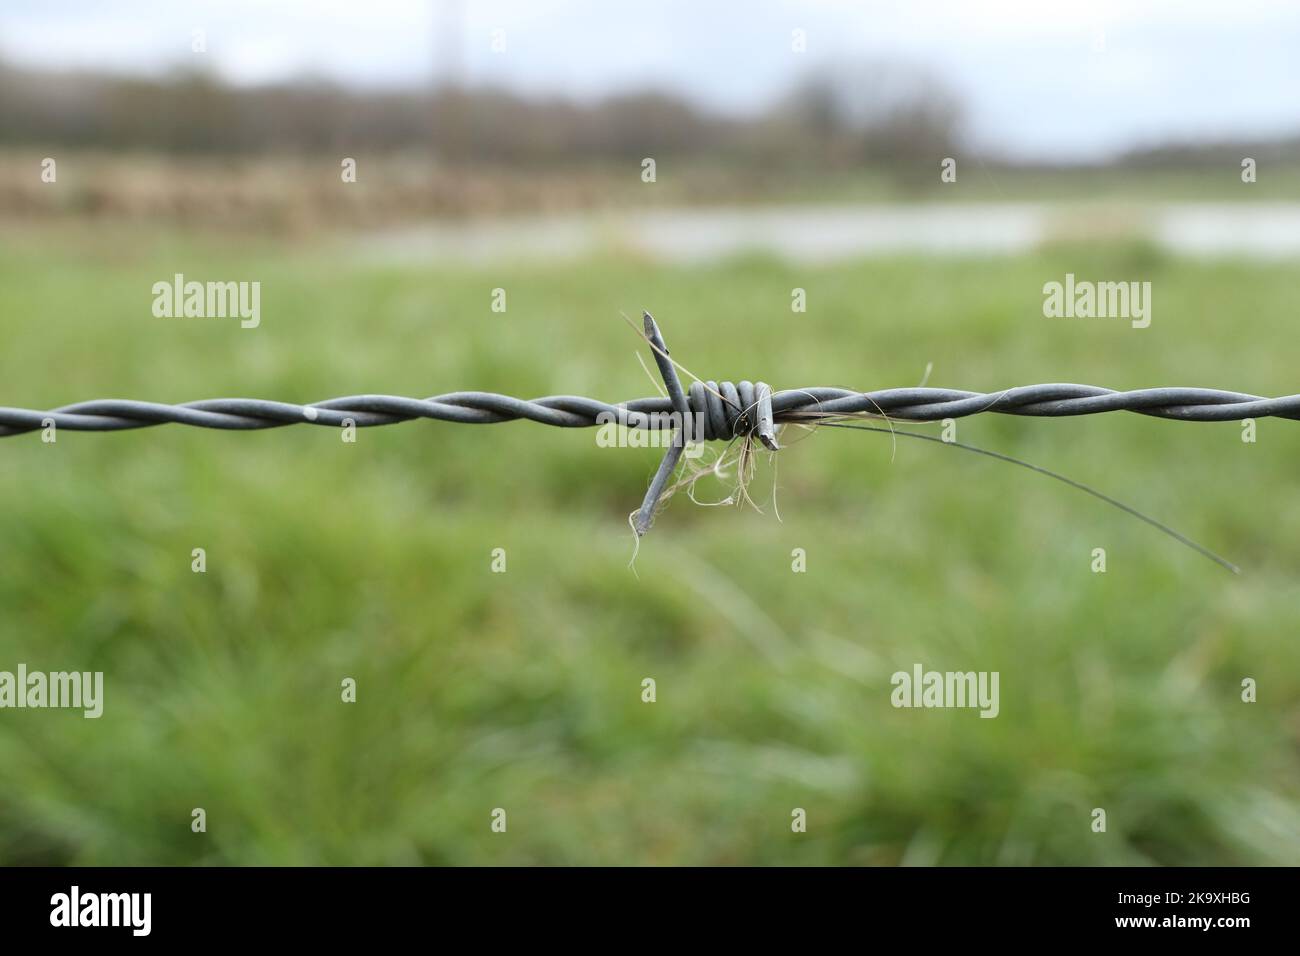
645 516
766 430
665 363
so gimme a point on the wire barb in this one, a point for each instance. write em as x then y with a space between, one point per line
668 465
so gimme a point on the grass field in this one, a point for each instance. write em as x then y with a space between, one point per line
522 690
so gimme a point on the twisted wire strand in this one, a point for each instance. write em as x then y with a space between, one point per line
723 418
705 411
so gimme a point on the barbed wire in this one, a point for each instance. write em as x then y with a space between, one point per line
572 411
707 411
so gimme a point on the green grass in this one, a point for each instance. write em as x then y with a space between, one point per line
522 690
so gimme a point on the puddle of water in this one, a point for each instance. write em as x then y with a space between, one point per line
820 234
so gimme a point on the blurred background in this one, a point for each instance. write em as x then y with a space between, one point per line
503 145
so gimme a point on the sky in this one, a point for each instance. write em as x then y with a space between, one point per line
1055 80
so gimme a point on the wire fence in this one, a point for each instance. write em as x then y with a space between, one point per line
707 400
707 411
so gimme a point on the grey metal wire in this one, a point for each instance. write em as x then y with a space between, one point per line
572 411
711 410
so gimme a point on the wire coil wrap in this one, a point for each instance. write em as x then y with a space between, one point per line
724 410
